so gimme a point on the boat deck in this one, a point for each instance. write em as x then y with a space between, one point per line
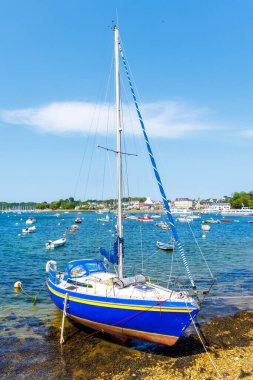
101 284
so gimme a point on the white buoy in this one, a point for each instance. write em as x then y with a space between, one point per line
18 285
203 236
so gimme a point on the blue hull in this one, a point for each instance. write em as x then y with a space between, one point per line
160 322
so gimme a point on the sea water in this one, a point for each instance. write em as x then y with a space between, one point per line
227 250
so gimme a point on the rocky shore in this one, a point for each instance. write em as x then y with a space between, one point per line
228 340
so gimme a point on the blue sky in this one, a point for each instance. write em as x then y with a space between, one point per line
192 63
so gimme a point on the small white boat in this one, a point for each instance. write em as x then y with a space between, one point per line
163 225
195 216
28 230
30 220
185 219
106 219
165 246
132 217
51 244
78 220
212 221
32 229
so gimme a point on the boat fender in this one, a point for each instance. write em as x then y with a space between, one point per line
51 264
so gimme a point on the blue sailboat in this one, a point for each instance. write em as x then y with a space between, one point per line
128 307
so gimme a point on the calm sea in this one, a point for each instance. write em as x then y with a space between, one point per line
227 248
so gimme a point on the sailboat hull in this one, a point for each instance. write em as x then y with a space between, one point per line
159 322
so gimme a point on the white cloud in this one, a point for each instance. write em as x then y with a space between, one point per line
247 133
166 119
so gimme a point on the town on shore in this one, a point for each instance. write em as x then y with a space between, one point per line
238 200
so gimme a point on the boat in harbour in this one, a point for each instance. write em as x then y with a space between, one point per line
163 225
51 244
244 211
28 230
145 218
165 246
74 228
30 220
105 219
185 219
125 306
212 221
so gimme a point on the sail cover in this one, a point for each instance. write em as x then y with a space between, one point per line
112 257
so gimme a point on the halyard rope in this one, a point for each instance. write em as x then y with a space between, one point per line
164 198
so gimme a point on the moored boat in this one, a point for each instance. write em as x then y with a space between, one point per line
30 220
145 218
51 244
114 302
165 246
212 221
28 230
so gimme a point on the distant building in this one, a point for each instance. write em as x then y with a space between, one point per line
183 203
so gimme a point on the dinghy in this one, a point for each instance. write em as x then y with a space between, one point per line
165 246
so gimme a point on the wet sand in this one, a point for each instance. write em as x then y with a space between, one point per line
229 341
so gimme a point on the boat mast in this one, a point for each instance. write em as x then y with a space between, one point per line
119 156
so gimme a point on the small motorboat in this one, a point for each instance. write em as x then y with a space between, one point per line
30 220
250 221
28 230
145 218
155 216
132 217
78 220
51 244
165 246
163 225
212 221
106 219
74 228
184 219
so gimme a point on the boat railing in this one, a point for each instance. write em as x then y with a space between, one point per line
176 283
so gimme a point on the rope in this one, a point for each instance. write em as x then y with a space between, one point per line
34 297
159 303
203 344
200 250
159 182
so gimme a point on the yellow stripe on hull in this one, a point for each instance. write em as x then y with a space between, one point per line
119 306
